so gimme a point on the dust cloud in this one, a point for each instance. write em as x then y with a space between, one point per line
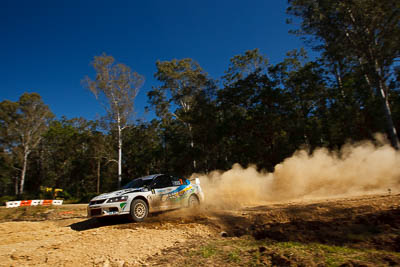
359 168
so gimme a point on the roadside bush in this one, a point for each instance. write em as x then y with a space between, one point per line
87 197
4 199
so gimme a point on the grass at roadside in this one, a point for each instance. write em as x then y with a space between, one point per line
247 251
39 213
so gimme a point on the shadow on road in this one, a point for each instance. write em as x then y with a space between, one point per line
93 223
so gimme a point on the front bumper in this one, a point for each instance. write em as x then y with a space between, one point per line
107 209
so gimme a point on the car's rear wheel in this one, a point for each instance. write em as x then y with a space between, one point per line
193 201
139 210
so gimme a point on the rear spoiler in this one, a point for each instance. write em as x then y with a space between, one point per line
196 180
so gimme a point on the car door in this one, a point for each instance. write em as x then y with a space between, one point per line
163 189
181 191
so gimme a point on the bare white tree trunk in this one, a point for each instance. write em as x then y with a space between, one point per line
23 172
119 152
119 85
375 80
194 161
382 89
192 144
98 175
388 116
16 185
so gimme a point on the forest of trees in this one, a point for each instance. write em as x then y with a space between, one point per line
257 113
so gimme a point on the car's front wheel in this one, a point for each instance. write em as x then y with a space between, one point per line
139 210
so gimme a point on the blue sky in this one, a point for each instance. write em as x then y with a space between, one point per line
47 46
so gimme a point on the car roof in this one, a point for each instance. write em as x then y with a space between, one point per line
150 177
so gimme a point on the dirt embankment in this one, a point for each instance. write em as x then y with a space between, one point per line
358 230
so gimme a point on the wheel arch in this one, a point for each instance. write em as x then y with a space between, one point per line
196 196
142 198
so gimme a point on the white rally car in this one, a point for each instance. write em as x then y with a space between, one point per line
147 194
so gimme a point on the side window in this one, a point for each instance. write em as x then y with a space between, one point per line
177 181
161 182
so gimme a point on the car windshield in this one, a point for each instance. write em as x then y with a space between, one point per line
137 183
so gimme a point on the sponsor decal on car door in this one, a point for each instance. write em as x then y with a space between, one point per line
161 188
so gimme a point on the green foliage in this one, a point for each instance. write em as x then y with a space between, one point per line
243 65
358 35
87 197
234 256
23 124
246 251
143 150
183 85
117 86
5 198
208 251
259 113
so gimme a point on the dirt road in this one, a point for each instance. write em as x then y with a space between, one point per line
80 242
368 227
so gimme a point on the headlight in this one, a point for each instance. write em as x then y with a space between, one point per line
117 199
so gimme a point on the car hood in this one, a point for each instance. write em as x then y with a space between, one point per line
120 193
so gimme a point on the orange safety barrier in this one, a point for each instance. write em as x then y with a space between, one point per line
47 202
25 203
